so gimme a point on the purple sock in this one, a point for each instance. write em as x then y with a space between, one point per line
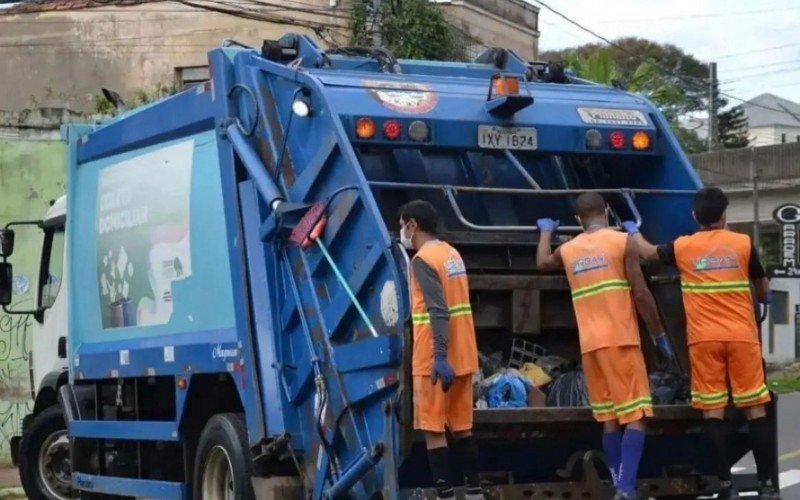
632 447
612 447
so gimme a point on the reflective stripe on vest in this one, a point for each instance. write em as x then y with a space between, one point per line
599 287
455 311
718 287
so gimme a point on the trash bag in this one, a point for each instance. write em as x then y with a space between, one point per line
668 387
508 391
535 374
490 364
568 389
554 365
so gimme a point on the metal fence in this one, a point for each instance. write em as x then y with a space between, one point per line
780 162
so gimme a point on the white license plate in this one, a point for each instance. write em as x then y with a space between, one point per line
492 137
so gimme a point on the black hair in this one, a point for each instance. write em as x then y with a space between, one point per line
709 205
589 205
423 212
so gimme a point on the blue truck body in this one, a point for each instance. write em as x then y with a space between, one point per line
187 299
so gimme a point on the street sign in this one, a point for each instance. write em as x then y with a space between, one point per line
788 216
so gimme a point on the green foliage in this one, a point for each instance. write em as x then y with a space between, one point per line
102 105
732 128
410 29
140 97
646 79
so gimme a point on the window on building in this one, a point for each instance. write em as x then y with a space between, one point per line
783 138
779 309
190 76
798 138
778 314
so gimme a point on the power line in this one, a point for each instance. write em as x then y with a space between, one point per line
686 79
759 75
697 16
756 51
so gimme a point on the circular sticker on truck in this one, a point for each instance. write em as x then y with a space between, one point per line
403 97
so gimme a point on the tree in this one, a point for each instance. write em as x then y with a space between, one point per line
732 128
410 29
646 79
676 67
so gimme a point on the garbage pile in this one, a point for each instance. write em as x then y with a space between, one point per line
532 378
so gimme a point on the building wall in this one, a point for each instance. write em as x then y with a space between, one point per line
497 23
69 55
31 175
772 134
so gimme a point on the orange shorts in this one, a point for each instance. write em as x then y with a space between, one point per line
716 363
617 383
435 409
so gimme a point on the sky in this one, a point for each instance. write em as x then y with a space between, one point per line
756 44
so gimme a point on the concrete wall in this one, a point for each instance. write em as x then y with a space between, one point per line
63 58
31 175
68 56
508 24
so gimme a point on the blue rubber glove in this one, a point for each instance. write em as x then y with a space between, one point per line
663 345
547 225
442 371
630 227
768 299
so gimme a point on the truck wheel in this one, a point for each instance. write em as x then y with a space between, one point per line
223 466
44 464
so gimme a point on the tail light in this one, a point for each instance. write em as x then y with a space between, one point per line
504 85
418 131
365 128
641 141
392 129
616 140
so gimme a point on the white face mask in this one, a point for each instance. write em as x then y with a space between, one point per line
405 239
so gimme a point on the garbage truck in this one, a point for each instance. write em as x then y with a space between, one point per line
238 307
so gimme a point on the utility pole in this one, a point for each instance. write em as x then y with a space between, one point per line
756 218
712 105
377 23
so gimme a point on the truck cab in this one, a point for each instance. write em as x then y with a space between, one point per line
42 450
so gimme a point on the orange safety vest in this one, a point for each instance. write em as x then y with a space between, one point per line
601 295
462 353
715 281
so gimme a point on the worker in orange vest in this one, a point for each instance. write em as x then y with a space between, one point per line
445 355
717 268
608 287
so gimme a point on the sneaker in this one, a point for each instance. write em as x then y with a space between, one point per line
767 492
727 491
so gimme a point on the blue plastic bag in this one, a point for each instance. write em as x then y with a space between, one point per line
508 391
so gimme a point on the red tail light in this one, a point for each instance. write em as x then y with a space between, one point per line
392 129
616 140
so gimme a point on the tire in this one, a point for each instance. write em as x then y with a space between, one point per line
223 467
44 462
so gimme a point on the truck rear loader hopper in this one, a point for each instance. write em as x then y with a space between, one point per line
206 350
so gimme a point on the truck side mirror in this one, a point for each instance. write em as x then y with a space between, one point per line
5 283
6 242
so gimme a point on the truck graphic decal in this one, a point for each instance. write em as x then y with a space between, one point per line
143 242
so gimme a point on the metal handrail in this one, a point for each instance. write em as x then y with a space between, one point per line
451 192
534 192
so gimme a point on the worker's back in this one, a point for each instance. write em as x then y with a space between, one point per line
601 294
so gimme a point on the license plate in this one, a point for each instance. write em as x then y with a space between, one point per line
492 137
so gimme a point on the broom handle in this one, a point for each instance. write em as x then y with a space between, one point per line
346 287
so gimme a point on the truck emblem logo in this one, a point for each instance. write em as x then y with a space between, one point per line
219 353
403 97
624 117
